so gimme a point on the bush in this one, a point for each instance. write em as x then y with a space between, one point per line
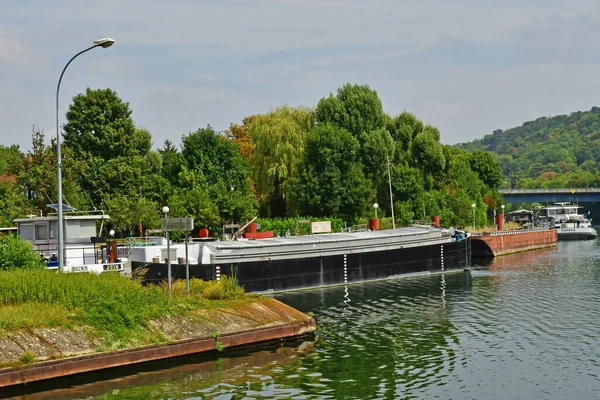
279 226
16 253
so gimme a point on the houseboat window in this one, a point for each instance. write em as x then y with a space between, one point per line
41 231
26 231
53 229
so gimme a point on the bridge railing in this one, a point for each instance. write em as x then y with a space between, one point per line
550 190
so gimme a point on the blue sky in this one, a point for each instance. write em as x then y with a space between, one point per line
467 67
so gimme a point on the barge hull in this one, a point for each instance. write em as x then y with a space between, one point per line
507 242
301 273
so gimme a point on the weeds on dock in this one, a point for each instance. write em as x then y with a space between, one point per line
107 302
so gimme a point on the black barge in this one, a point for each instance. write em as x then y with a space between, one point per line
299 262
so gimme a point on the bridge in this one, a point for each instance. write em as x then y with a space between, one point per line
549 196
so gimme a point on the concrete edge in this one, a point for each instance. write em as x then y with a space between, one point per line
94 362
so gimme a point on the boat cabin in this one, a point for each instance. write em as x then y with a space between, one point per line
81 238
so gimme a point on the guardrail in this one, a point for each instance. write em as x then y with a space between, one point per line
550 190
511 232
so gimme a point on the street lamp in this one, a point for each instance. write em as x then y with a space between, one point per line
165 210
104 43
375 206
473 207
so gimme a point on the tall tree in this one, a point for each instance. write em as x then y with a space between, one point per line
214 164
278 145
487 168
404 128
356 108
99 125
172 162
331 182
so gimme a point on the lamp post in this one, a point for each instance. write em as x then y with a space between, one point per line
104 43
502 212
165 210
473 207
375 206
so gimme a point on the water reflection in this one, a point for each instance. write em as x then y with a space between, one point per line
398 338
216 376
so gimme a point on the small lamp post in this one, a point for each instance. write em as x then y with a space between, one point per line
165 210
473 207
375 206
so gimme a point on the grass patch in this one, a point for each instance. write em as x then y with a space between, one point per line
107 302
27 357
34 315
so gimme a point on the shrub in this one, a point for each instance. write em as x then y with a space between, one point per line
17 253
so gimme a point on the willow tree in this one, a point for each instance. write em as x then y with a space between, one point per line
278 138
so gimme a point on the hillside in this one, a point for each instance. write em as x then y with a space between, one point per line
559 151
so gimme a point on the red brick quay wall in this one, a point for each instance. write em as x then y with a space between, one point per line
492 244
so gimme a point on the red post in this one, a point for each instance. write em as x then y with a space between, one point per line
112 252
251 228
374 224
436 221
499 221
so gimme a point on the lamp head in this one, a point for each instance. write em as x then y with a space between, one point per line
375 205
111 233
165 209
473 205
104 42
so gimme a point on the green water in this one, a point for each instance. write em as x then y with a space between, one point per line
525 326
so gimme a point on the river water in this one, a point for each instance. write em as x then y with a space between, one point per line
524 326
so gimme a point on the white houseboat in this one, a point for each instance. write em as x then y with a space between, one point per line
85 249
569 224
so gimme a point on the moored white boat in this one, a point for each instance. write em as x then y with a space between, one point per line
569 224
85 249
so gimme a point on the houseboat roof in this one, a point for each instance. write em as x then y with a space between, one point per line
65 216
325 238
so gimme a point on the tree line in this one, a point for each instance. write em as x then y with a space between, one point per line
550 152
327 161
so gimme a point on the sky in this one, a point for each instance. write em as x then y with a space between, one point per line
466 66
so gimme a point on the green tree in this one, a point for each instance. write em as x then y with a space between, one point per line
213 163
487 168
332 182
404 128
99 126
278 139
172 162
356 108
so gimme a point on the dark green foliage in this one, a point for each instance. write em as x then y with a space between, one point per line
16 253
487 168
404 128
215 178
356 108
331 180
99 125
